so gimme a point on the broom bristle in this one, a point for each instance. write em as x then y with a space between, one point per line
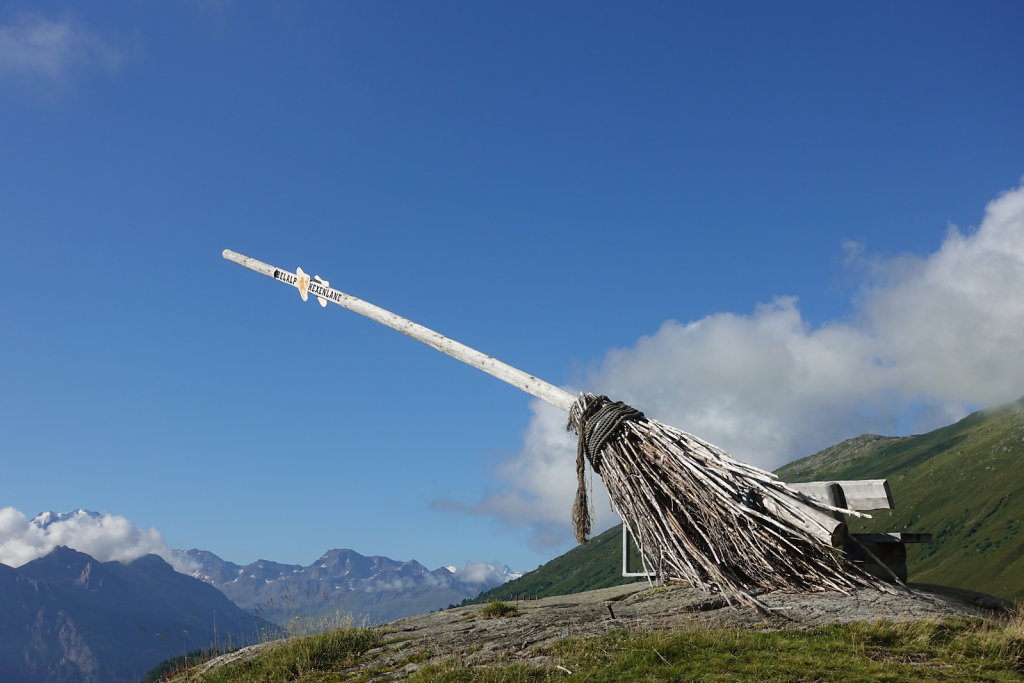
702 516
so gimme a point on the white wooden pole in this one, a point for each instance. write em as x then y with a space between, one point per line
796 512
492 366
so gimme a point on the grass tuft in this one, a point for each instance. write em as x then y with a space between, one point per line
303 659
498 609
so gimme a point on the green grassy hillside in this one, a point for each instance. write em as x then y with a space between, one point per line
963 483
596 564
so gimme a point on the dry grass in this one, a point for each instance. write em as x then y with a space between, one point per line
959 649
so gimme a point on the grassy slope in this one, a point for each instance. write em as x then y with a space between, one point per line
954 649
596 564
963 483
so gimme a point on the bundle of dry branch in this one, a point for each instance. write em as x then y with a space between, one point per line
700 515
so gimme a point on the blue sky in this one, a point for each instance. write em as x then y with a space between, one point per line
736 215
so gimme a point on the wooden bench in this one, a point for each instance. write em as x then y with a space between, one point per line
882 555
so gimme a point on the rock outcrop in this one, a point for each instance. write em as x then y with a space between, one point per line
464 633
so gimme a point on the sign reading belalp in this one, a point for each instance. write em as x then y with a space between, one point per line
300 280
285 276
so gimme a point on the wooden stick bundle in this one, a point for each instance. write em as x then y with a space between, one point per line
700 515
697 513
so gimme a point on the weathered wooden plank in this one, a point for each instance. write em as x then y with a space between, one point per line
825 491
867 494
821 524
860 494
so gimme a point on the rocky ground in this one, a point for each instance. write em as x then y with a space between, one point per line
465 633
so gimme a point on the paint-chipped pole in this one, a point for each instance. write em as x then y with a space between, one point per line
492 366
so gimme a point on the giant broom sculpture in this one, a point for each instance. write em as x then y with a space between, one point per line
697 513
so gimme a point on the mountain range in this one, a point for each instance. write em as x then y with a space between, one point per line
370 589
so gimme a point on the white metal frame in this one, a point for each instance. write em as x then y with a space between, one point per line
626 569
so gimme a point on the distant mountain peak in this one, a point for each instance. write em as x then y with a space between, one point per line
65 554
45 519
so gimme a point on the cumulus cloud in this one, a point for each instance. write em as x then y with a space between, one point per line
34 46
534 482
488 573
933 337
105 537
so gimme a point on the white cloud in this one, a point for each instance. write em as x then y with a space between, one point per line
534 483
33 46
105 537
935 336
952 325
488 573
